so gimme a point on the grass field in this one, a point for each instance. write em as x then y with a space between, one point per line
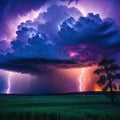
58 107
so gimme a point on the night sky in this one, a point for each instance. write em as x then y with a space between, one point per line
53 46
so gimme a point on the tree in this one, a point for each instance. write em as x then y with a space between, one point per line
107 72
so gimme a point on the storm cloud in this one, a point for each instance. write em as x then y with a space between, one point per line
11 9
48 40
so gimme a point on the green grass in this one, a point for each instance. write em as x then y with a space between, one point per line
62 107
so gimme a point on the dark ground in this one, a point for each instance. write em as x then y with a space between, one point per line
58 107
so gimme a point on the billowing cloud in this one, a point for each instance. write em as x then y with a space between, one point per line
61 40
90 30
47 22
12 9
90 37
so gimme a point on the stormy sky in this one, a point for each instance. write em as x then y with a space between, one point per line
49 46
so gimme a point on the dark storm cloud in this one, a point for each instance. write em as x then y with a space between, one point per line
41 47
90 31
33 65
47 23
35 39
10 9
53 19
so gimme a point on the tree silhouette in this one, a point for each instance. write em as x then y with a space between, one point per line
107 72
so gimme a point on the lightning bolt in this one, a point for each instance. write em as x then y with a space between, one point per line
81 85
9 83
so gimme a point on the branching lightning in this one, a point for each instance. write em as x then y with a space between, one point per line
9 83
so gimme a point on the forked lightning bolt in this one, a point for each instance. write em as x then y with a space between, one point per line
9 83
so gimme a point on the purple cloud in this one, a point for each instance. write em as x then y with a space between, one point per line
90 38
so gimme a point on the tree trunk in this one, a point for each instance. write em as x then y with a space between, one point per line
111 92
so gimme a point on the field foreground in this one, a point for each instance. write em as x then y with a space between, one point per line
58 107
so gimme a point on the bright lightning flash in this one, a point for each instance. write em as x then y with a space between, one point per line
81 80
72 54
9 83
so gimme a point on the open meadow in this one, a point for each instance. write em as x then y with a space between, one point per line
58 107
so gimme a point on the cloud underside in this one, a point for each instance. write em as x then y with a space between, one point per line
39 66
